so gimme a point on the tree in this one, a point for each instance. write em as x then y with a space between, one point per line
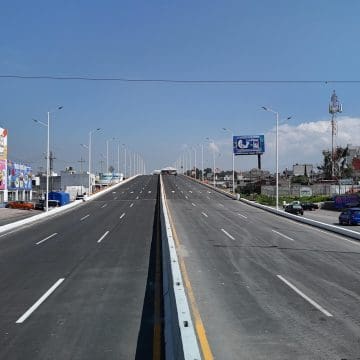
341 168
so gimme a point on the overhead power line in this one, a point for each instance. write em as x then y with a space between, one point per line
174 81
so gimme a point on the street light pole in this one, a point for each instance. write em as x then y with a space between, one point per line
277 151
233 158
209 139
47 153
202 161
90 133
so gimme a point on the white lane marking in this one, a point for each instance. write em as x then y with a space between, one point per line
131 192
114 192
208 197
86 216
47 238
132 204
279 233
149 192
104 205
245 217
312 302
173 191
193 204
227 234
137 198
222 205
181 191
122 215
204 214
190 191
102 238
39 302
140 192
115 198
209 192
186 197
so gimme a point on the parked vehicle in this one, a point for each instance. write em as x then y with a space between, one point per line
309 206
20 205
294 209
63 198
350 216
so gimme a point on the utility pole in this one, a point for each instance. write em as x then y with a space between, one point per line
334 107
81 161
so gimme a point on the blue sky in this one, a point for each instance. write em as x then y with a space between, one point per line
184 40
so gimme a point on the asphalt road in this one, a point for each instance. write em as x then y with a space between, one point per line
76 286
265 287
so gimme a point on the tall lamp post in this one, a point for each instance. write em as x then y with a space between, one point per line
277 151
233 158
47 153
90 133
213 142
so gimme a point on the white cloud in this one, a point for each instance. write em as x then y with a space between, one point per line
301 143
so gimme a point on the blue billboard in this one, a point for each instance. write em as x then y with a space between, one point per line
249 144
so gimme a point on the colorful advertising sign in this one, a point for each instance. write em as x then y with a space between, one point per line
19 176
3 175
249 144
3 144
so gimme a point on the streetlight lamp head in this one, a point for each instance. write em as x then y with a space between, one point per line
265 108
60 107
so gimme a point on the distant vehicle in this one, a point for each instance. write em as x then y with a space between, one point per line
81 197
20 205
63 198
350 216
294 209
39 205
53 203
309 206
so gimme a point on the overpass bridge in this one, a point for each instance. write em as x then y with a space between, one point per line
90 282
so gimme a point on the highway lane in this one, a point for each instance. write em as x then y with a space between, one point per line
266 287
91 265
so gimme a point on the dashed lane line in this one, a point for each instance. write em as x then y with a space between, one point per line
47 238
284 236
39 302
227 234
299 292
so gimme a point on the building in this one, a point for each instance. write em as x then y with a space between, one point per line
303 170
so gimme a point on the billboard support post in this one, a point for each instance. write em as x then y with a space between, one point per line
259 161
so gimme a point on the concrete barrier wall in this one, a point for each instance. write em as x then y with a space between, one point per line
179 333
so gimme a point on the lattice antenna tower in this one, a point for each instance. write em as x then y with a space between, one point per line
334 107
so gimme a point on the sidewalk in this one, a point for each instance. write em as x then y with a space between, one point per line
8 216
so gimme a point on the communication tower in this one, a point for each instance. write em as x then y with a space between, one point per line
334 107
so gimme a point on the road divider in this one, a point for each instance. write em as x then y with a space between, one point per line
179 333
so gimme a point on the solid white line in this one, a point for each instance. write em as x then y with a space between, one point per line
204 214
102 238
104 205
312 302
83 218
49 237
245 217
286 237
193 204
227 234
39 302
122 215
132 204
